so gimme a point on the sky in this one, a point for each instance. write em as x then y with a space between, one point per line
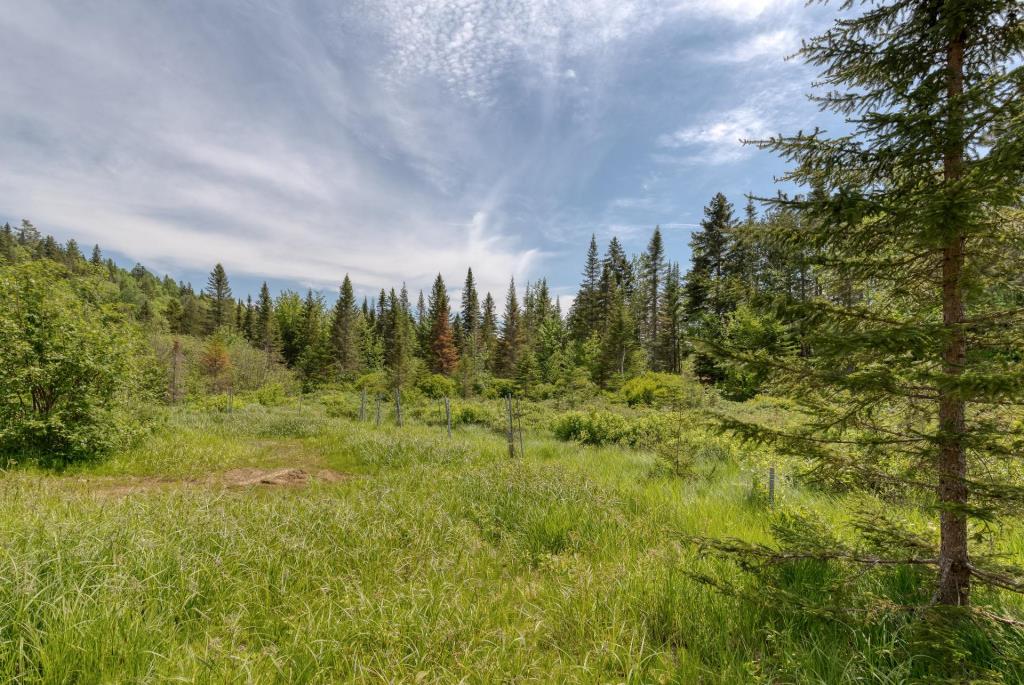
297 141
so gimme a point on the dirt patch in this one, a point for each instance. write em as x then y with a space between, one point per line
287 476
235 478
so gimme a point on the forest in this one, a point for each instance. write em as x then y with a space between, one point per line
796 458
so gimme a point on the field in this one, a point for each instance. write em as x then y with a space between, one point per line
396 554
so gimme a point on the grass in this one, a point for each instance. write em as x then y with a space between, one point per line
439 561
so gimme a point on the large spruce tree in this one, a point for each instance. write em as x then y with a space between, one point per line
915 346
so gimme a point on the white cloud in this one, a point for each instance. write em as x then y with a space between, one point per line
771 45
719 140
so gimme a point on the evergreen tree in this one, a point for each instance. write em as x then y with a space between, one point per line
908 383
264 330
345 330
585 316
314 361
219 292
7 244
443 355
422 327
399 341
97 256
248 321
28 235
706 301
510 345
670 339
470 318
653 280
489 333
72 255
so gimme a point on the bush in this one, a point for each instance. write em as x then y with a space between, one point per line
435 386
476 414
501 387
374 383
662 389
591 428
75 376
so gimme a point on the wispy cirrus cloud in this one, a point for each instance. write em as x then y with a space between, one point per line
390 139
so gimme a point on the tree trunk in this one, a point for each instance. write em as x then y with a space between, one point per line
954 563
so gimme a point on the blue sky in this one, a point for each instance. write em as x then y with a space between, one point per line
389 139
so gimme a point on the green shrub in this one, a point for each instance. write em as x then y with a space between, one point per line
474 414
662 389
591 428
75 376
501 387
374 383
436 386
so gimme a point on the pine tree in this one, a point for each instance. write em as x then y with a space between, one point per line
422 327
28 235
470 309
585 316
219 292
314 343
264 330
399 341
706 300
510 344
908 382
670 331
653 280
97 256
345 330
618 339
489 333
72 255
248 321
7 244
443 355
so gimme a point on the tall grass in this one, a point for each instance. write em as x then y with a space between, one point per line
441 561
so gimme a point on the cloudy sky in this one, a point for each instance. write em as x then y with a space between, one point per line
389 139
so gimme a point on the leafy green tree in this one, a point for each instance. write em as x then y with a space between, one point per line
75 373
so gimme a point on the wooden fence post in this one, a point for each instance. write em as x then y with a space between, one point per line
511 433
362 405
519 420
398 406
771 486
448 414
378 411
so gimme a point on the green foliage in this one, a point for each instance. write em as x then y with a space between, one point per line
663 390
436 386
75 377
374 383
750 334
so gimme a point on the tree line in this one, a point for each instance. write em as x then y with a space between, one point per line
631 314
